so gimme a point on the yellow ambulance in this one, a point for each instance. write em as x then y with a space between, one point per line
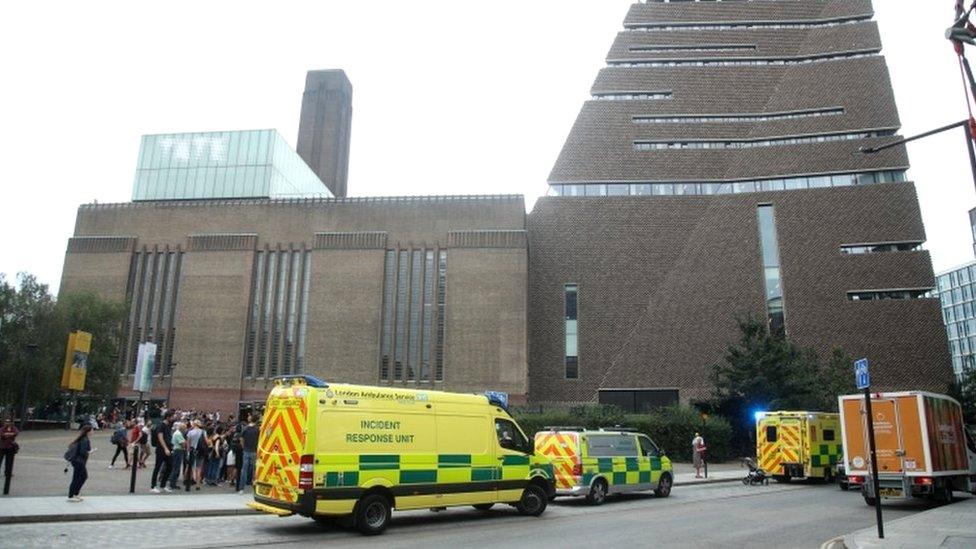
597 463
356 452
798 445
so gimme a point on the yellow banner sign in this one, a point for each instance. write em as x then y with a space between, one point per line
76 361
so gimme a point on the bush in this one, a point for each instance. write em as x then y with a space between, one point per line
671 428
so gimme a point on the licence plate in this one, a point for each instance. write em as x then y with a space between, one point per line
263 489
890 492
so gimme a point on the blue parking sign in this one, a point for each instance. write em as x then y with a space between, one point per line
861 373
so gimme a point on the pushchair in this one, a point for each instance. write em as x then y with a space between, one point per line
756 474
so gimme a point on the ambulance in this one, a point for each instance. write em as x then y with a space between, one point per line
598 463
798 445
353 453
923 448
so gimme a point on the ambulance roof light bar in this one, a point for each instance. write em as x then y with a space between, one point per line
311 381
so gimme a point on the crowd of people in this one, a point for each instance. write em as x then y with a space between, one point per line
191 449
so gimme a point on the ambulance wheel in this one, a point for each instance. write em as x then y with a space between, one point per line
533 501
598 493
483 506
870 501
663 489
372 514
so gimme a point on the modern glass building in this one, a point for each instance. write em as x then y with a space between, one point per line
239 164
957 292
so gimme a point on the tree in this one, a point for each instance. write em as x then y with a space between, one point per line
28 320
33 336
836 379
763 371
103 319
963 389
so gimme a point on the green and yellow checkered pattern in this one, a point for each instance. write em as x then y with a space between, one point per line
351 470
621 470
825 455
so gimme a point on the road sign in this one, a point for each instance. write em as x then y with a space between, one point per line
861 373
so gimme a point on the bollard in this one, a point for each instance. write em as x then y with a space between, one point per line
9 464
135 465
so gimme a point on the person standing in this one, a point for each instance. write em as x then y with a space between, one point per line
8 447
161 438
79 451
698 453
178 444
196 443
249 440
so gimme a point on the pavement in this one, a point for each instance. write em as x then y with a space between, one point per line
719 515
39 487
952 525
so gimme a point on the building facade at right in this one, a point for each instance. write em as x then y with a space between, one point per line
957 290
714 174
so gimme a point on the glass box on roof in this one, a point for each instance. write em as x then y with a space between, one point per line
240 164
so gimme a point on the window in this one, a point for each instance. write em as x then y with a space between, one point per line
770 433
153 296
800 24
611 445
771 269
275 341
571 296
389 287
510 437
877 295
814 182
855 249
412 330
648 448
828 435
743 61
733 118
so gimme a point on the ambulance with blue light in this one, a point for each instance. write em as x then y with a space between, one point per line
354 453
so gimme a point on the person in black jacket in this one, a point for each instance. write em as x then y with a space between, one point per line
79 461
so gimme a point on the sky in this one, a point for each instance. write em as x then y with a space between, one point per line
448 97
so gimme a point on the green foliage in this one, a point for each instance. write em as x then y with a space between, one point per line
103 319
765 372
836 379
964 390
670 428
34 331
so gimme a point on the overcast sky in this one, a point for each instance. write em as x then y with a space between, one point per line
448 97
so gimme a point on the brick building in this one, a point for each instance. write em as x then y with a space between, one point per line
714 173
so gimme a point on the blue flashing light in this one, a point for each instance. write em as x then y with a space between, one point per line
759 414
498 398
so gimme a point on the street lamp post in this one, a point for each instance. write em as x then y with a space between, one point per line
31 349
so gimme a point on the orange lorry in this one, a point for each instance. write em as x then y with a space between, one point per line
923 447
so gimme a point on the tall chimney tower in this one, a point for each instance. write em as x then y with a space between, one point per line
324 127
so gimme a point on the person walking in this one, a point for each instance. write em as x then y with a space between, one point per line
145 431
178 445
249 440
698 453
8 447
120 438
161 438
78 453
